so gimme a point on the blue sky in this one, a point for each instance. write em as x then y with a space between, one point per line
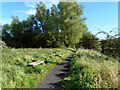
100 15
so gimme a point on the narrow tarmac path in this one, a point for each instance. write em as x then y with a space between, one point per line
56 74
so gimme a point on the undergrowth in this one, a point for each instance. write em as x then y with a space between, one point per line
16 73
90 69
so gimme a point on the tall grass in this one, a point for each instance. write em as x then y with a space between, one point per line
91 69
16 73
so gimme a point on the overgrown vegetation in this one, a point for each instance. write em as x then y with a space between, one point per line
16 73
61 26
90 69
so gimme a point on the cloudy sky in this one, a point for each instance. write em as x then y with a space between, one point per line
101 16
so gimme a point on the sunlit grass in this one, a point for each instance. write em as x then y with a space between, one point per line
16 73
91 69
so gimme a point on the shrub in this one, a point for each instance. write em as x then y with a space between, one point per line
111 47
89 41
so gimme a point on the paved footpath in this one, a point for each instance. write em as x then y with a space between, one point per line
56 74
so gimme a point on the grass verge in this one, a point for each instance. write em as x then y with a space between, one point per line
91 69
16 73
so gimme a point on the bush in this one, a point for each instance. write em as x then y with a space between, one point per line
111 47
89 41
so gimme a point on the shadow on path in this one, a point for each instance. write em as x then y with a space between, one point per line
56 74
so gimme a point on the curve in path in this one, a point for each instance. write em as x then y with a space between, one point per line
56 74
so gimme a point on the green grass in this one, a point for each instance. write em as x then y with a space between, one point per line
16 73
91 69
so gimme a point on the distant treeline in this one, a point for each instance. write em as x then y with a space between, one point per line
62 25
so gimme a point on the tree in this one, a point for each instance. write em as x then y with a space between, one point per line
55 19
30 32
49 23
62 25
6 34
70 22
41 16
16 32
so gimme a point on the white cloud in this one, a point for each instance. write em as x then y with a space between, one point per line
33 6
48 3
31 12
30 4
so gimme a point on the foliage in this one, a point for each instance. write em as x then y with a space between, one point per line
111 47
61 25
89 41
90 69
71 23
16 73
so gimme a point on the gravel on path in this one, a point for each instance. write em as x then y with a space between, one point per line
56 74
